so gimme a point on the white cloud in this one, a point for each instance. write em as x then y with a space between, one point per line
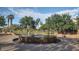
20 12
73 13
29 12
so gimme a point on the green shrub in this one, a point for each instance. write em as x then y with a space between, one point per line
32 39
53 39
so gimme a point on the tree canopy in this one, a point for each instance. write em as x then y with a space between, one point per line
59 23
2 21
29 22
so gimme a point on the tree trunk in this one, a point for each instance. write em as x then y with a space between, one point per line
8 22
11 22
48 33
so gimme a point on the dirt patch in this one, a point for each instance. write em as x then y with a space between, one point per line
7 38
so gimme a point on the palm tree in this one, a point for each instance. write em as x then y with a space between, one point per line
10 19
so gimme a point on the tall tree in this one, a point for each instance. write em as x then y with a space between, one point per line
26 21
29 22
38 22
2 21
48 24
77 19
59 23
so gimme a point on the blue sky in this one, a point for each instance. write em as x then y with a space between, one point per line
37 12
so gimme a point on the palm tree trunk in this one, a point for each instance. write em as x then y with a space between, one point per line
11 22
8 22
10 25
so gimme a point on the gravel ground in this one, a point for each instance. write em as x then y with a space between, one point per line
66 44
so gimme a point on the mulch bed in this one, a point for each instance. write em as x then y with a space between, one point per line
41 40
